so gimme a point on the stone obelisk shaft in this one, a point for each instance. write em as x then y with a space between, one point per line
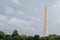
45 21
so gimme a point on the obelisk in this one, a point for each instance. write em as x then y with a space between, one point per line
45 20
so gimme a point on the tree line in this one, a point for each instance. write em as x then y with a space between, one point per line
16 36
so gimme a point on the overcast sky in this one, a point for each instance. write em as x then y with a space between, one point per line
26 16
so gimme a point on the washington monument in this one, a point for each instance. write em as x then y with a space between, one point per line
45 20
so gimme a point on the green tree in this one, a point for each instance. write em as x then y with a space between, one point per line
30 38
15 33
2 35
58 38
16 38
36 37
42 38
23 37
8 37
52 37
